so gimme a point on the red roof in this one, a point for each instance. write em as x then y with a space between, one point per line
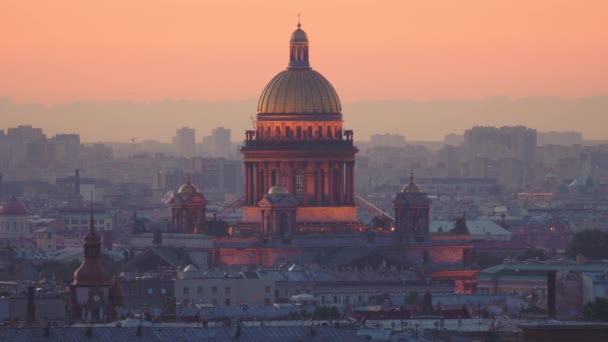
92 272
13 208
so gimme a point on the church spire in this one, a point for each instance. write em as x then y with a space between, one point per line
298 48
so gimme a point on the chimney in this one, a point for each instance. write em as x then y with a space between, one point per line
551 295
31 305
77 182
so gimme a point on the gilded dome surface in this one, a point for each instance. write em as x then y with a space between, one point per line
412 187
278 190
301 91
188 188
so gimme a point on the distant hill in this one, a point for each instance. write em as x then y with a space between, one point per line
417 120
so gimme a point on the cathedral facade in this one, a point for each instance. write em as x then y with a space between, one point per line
299 201
299 143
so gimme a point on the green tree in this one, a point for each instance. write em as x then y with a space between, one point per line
460 226
592 244
597 310
533 253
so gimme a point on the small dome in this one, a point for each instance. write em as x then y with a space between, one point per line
412 186
278 190
188 188
92 272
299 36
13 207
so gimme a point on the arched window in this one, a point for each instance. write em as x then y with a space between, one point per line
299 184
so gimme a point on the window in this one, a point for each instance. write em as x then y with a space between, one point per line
227 301
163 291
214 290
335 299
186 291
214 302
227 290
199 290
267 302
267 289
150 291
322 299
299 182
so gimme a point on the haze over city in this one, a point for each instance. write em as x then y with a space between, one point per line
311 171
440 67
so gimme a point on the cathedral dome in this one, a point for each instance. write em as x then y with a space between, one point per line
13 208
412 187
299 89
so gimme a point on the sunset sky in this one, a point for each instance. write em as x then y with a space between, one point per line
62 51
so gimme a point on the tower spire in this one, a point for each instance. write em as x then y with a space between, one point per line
91 221
299 24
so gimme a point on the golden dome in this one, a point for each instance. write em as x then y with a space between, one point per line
278 190
412 187
188 188
299 89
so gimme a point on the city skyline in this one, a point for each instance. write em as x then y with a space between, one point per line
69 67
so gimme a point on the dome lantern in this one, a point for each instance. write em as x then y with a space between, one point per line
298 49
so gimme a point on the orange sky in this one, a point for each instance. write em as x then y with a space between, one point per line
62 51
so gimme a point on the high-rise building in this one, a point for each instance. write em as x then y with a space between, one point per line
505 142
185 142
396 140
218 144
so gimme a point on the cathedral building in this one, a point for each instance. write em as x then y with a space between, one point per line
299 143
299 200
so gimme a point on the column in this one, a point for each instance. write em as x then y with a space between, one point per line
330 182
275 223
317 186
257 184
347 184
246 183
308 179
350 182
263 223
341 179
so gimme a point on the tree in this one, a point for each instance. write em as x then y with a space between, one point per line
597 310
533 253
592 244
460 226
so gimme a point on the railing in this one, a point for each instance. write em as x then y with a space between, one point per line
296 143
